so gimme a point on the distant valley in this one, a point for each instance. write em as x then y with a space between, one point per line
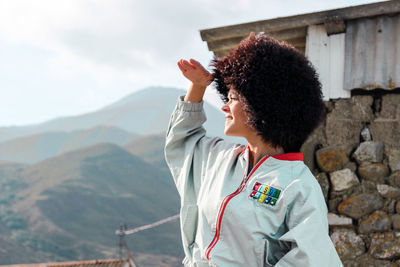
67 184
144 112
68 207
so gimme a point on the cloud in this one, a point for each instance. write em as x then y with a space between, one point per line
114 47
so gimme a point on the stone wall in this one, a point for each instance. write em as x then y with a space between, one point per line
355 156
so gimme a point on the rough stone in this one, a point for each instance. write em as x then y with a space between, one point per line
323 181
308 155
385 245
398 207
390 107
345 193
393 155
337 220
343 179
360 205
395 218
394 179
378 221
331 158
317 137
386 131
342 109
369 152
333 204
366 260
357 108
377 105
329 105
368 187
348 244
388 191
374 172
366 134
342 131
350 165
389 205
361 108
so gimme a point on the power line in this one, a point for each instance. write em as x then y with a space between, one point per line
123 231
147 226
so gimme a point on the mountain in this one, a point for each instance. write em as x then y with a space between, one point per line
35 148
143 112
150 148
68 207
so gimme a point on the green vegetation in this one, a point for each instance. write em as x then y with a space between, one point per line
8 218
28 239
86 195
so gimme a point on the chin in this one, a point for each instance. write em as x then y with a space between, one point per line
229 133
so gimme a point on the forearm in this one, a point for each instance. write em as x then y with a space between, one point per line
183 140
195 93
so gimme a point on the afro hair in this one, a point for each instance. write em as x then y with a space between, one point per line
278 86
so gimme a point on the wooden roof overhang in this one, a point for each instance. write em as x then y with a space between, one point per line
293 29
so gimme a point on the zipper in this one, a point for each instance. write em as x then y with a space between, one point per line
225 203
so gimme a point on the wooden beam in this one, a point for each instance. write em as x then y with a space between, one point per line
225 43
334 25
298 43
279 35
348 13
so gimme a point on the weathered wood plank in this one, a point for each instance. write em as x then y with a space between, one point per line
327 55
279 35
224 49
336 67
296 21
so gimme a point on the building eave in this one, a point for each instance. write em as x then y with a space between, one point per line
222 39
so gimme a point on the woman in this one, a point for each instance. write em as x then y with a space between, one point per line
254 205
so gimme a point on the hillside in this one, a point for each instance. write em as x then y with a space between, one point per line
150 148
143 112
35 148
70 206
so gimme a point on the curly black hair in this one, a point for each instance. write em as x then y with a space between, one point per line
278 86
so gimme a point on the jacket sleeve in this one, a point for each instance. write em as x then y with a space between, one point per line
187 148
308 232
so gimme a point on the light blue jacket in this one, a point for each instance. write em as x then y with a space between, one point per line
272 215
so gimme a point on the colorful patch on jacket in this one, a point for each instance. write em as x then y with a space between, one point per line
265 194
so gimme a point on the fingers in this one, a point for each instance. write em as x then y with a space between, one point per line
195 63
195 72
199 66
180 65
187 65
191 64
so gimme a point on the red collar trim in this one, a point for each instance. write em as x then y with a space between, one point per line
293 156
290 156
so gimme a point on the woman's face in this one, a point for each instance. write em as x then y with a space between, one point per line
235 123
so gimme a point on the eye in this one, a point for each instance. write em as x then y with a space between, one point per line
233 98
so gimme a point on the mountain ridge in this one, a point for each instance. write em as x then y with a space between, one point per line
71 205
142 112
34 148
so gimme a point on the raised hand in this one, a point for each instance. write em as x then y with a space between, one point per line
195 72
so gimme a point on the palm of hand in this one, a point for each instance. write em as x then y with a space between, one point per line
195 72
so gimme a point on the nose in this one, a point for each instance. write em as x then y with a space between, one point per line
225 108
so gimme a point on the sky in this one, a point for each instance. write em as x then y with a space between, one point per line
69 57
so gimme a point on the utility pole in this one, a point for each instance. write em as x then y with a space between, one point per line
123 231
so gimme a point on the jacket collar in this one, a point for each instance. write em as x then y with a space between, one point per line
293 156
290 156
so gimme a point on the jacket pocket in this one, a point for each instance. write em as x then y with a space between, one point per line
262 252
266 254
